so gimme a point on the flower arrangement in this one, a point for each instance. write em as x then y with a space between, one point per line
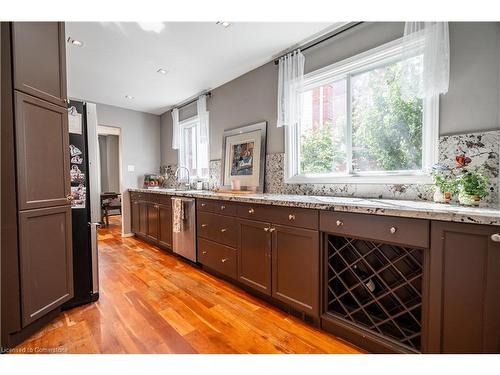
471 186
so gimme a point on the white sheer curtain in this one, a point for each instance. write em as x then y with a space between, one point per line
203 118
432 38
290 82
175 129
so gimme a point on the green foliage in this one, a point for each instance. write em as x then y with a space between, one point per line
473 183
387 129
319 152
445 183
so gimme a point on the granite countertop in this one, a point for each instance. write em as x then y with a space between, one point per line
389 207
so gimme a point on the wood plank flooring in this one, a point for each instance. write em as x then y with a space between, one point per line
153 302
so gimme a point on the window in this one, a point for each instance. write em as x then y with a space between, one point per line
193 152
357 127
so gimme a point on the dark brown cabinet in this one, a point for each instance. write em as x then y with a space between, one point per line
46 261
39 58
143 219
153 220
464 289
42 153
165 226
135 216
295 270
254 263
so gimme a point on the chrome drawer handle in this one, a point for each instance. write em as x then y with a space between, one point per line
291 217
393 230
339 223
223 230
272 229
203 204
204 225
495 237
251 211
224 260
203 252
222 208
266 229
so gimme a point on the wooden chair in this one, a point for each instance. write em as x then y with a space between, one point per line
110 201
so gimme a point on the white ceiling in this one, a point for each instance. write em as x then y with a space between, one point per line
119 59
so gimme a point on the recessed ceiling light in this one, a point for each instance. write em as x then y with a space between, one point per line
130 97
76 43
162 71
224 24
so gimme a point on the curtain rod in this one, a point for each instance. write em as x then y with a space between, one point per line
191 101
331 35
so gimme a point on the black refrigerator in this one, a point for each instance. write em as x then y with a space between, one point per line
83 149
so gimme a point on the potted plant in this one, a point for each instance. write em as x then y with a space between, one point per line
472 187
444 188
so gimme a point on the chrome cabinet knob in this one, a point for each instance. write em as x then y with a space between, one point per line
203 252
495 237
204 225
223 230
393 230
272 229
224 260
291 217
251 211
266 229
339 223
222 208
203 204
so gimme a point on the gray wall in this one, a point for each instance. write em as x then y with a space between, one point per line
471 103
140 145
109 162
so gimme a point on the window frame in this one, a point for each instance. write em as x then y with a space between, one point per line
191 122
383 55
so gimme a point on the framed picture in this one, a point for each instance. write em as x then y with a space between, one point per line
244 156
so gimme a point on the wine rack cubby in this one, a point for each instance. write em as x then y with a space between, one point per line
377 286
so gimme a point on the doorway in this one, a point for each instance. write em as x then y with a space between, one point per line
110 177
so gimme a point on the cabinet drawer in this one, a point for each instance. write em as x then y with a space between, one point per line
218 228
297 217
218 207
397 230
218 257
165 200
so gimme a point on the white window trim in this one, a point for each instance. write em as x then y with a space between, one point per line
187 123
368 60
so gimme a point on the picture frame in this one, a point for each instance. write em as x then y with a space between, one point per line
244 156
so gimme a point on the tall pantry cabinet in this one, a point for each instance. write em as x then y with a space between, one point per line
36 198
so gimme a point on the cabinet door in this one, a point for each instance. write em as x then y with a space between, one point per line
165 226
296 268
39 57
143 219
464 289
135 216
46 262
254 263
153 219
42 153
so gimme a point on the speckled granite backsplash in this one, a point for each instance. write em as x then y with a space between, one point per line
482 147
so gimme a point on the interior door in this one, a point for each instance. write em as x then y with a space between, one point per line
42 153
254 261
46 260
296 267
39 56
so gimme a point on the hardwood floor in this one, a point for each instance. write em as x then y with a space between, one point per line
153 302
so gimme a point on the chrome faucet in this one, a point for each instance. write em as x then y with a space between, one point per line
187 186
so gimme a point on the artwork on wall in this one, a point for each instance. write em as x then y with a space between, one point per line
243 161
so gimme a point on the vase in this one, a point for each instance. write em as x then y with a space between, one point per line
440 197
468 199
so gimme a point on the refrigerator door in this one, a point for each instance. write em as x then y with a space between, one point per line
94 193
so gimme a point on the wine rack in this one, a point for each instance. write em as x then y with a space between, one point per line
377 286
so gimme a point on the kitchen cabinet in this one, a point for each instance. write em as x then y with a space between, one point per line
135 216
46 260
165 226
464 289
143 219
42 141
152 210
295 267
39 60
254 263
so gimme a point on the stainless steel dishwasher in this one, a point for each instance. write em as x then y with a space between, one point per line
184 240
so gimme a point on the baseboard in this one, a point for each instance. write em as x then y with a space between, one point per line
128 234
